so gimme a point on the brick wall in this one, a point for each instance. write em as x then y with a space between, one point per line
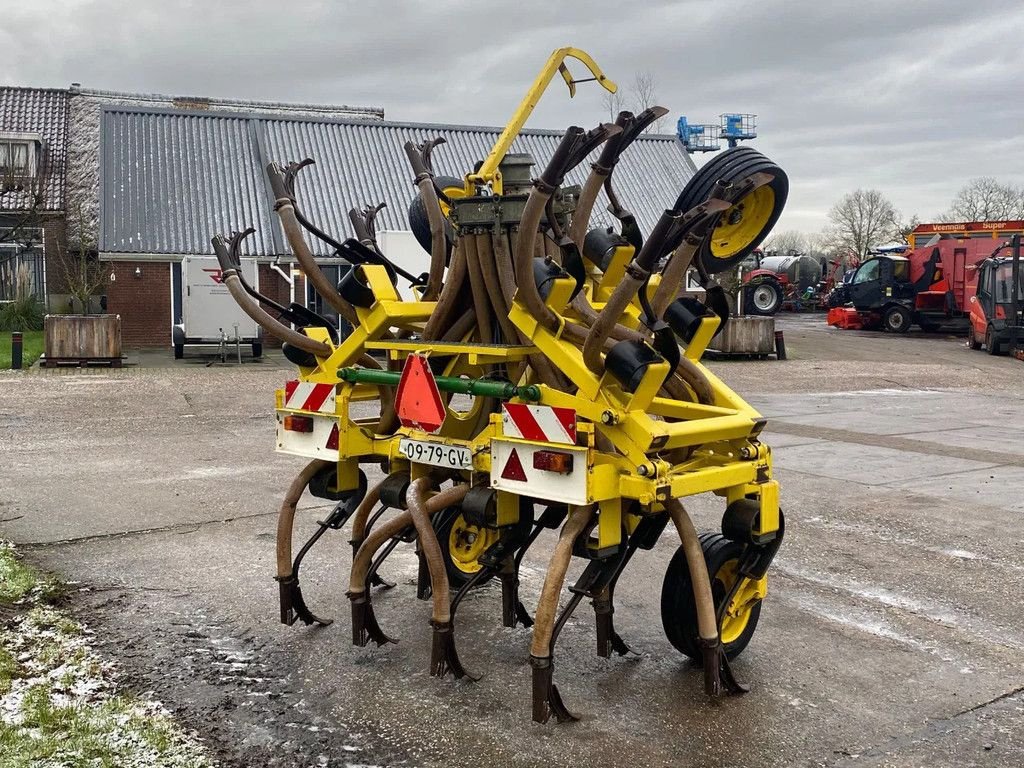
274 287
144 303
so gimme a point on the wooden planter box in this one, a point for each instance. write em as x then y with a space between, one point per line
748 335
82 340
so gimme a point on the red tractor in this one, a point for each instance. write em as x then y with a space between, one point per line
776 280
996 309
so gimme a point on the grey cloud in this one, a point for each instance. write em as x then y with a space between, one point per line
913 98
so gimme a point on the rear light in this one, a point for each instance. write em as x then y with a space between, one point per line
553 461
1000 312
298 423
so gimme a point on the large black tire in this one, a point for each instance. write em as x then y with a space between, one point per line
992 346
179 351
418 221
461 543
763 298
679 610
896 319
727 243
257 349
972 339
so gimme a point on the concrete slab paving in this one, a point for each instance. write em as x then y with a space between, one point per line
994 486
1005 437
891 634
870 464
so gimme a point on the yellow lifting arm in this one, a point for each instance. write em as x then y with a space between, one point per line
488 173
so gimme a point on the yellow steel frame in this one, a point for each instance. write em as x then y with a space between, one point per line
488 172
716 446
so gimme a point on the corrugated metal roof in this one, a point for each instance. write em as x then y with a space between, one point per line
171 180
43 111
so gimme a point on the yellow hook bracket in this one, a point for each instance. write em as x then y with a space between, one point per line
488 172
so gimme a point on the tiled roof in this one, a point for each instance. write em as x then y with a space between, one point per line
43 111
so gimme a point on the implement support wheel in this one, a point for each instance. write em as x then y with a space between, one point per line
739 230
462 544
679 611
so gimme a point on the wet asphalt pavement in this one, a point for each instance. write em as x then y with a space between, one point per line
891 636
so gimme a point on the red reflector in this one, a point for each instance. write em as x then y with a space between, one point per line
298 423
418 401
514 468
553 461
332 441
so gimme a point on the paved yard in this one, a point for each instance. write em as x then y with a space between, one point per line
892 634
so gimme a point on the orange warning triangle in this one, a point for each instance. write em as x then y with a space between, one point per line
514 468
418 401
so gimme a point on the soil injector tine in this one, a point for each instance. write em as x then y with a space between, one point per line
535 367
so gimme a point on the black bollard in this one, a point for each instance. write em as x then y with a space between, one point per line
780 346
16 347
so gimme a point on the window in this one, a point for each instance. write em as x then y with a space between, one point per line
867 272
17 156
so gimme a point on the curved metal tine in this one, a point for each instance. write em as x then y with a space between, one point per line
370 214
234 254
291 171
373 520
372 577
465 588
604 608
426 151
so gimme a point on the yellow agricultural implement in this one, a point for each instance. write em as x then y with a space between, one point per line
543 375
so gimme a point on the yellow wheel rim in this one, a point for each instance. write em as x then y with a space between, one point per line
737 613
453 193
742 223
467 542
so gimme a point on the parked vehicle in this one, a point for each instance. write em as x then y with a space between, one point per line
929 285
997 309
201 314
774 280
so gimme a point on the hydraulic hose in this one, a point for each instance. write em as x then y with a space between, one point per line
285 207
547 607
392 527
707 622
449 299
585 205
481 298
672 276
286 515
431 549
438 239
637 273
526 241
362 514
268 323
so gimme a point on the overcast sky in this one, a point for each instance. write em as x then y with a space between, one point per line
912 97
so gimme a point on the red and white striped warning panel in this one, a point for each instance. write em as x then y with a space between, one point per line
307 396
543 423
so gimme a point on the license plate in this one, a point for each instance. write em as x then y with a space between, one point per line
437 454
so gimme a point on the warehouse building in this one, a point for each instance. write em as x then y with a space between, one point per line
142 182
171 179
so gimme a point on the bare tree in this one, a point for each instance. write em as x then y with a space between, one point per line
84 274
644 96
786 242
613 102
986 199
860 221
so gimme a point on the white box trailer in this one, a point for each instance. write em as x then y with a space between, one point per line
206 313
